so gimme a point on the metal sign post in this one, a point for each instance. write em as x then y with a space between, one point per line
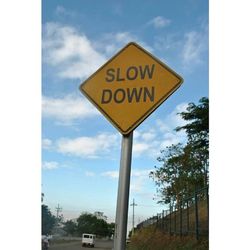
123 193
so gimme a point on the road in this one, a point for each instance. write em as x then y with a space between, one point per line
76 245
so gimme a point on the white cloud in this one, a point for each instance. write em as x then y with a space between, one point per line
172 120
146 143
194 46
70 51
74 55
170 139
134 173
167 42
46 143
159 22
139 148
60 10
161 134
141 172
50 165
148 136
68 108
190 46
144 147
88 147
111 43
89 173
111 174
139 178
138 184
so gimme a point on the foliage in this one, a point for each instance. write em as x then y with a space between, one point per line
198 132
184 167
89 223
48 220
70 227
111 229
198 127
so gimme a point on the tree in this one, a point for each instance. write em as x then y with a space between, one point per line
184 167
70 227
48 220
89 223
111 229
197 130
177 177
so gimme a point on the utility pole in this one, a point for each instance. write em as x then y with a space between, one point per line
58 209
133 204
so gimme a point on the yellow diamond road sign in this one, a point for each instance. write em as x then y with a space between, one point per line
130 86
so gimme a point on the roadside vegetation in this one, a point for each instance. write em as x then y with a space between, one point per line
152 239
48 220
184 167
182 171
86 223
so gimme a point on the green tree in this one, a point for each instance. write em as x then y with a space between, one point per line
70 227
89 223
48 220
111 229
197 130
184 167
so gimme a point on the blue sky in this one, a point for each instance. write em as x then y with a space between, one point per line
80 148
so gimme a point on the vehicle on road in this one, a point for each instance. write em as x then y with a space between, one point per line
88 240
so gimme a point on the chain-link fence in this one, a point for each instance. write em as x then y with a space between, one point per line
189 217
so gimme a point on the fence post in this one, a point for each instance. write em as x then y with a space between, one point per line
167 220
181 218
170 214
157 220
207 194
187 218
175 219
163 223
196 216
160 221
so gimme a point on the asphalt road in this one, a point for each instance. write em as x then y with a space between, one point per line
76 245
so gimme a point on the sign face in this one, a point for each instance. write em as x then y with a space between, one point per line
130 86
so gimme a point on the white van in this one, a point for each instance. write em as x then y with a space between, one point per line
88 240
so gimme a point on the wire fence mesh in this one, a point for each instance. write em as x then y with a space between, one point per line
189 217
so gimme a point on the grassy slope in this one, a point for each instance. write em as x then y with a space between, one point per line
152 239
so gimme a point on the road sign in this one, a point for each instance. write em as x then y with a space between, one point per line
130 86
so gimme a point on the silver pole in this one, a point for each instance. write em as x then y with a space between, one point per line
123 193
